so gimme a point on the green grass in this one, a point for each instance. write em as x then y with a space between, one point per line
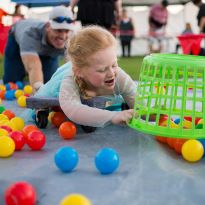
130 65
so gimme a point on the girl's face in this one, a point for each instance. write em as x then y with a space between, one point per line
102 71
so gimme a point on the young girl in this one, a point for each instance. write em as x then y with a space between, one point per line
91 81
95 73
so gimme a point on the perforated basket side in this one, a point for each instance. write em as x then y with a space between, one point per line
172 86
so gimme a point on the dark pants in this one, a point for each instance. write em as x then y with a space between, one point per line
13 66
126 45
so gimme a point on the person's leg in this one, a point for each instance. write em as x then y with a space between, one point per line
129 48
13 65
49 66
123 48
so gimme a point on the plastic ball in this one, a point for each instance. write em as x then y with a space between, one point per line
19 84
18 93
199 126
19 139
2 108
7 128
2 94
171 142
2 87
13 86
50 116
20 193
28 89
66 159
187 124
161 139
9 114
9 95
58 118
201 121
67 130
107 160
7 146
3 132
29 128
21 101
177 121
192 150
8 87
36 140
178 145
18 122
75 199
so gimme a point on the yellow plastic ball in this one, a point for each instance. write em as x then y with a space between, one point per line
75 199
18 122
187 124
18 93
192 150
3 117
51 114
4 122
21 101
2 87
7 146
12 125
28 89
3 132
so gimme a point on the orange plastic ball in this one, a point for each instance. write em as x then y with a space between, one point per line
178 145
67 130
9 114
58 118
161 139
171 142
29 128
2 94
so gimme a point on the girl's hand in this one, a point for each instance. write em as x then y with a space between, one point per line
122 117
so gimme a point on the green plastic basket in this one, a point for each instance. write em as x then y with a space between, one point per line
170 85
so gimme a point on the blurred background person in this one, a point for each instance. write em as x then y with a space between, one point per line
158 17
127 33
97 12
200 15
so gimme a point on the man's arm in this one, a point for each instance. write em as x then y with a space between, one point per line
202 24
33 67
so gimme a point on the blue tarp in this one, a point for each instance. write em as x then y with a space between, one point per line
41 3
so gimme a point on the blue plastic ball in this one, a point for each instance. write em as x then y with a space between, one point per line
107 160
8 87
66 159
9 95
19 84
177 121
203 143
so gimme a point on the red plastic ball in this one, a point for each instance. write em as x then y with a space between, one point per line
29 128
7 128
36 140
20 193
67 130
9 114
58 118
19 139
